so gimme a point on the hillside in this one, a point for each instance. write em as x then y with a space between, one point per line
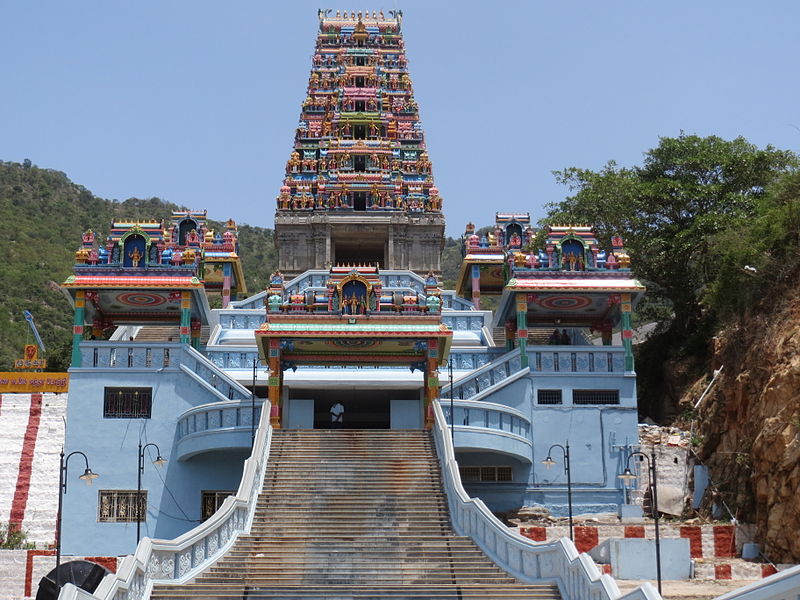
44 214
748 427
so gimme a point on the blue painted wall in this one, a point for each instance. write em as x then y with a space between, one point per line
112 448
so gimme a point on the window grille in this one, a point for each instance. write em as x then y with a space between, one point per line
119 506
486 474
548 397
595 397
211 500
127 403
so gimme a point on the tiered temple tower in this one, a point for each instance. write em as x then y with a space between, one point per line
359 187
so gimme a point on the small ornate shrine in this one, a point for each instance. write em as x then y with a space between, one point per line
353 323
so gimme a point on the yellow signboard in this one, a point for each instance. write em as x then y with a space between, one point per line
26 383
31 360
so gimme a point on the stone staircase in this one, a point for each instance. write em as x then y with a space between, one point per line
353 514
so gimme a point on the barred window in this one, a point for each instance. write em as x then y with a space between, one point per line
211 500
119 506
548 397
127 403
474 474
595 397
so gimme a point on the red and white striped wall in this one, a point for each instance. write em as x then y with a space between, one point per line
32 427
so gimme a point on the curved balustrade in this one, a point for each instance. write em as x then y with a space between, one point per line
576 359
155 356
242 319
181 559
485 377
199 368
489 426
577 576
216 426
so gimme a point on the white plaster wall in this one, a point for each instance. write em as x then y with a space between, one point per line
40 512
12 569
13 422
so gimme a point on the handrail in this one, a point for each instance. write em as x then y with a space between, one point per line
203 367
576 575
485 377
183 558
780 586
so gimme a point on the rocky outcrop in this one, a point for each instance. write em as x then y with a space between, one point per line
749 426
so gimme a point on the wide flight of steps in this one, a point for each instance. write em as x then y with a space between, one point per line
353 514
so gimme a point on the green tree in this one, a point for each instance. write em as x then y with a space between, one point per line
688 190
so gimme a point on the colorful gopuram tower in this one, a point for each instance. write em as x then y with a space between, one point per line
359 188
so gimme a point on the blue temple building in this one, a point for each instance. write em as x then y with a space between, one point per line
356 315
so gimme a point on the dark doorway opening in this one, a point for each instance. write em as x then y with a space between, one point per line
363 408
360 198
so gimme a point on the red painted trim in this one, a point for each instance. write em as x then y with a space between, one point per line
537 534
722 572
109 562
20 501
586 538
767 570
634 531
695 536
724 541
29 567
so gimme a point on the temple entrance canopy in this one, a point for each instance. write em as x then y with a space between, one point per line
353 324
570 287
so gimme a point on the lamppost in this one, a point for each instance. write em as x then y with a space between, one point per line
452 414
628 476
549 462
253 408
87 476
159 462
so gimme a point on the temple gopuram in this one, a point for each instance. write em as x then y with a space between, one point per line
359 187
172 353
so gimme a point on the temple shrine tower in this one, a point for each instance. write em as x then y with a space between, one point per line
359 188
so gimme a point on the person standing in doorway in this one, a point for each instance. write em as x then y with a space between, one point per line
337 415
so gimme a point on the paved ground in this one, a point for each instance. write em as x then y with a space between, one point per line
691 589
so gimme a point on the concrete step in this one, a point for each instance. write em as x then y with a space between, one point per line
356 515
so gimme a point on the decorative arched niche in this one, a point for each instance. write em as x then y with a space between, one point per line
573 254
135 247
184 228
354 295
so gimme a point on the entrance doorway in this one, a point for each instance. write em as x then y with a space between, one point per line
363 408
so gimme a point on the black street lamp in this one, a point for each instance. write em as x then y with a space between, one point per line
88 476
628 476
549 462
253 408
452 414
159 462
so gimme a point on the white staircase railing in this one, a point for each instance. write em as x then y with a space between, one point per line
577 575
780 586
183 558
487 376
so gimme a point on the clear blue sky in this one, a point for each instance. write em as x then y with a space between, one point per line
196 102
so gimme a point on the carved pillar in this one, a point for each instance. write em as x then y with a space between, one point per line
522 328
196 330
476 286
274 382
77 327
226 284
627 333
186 316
